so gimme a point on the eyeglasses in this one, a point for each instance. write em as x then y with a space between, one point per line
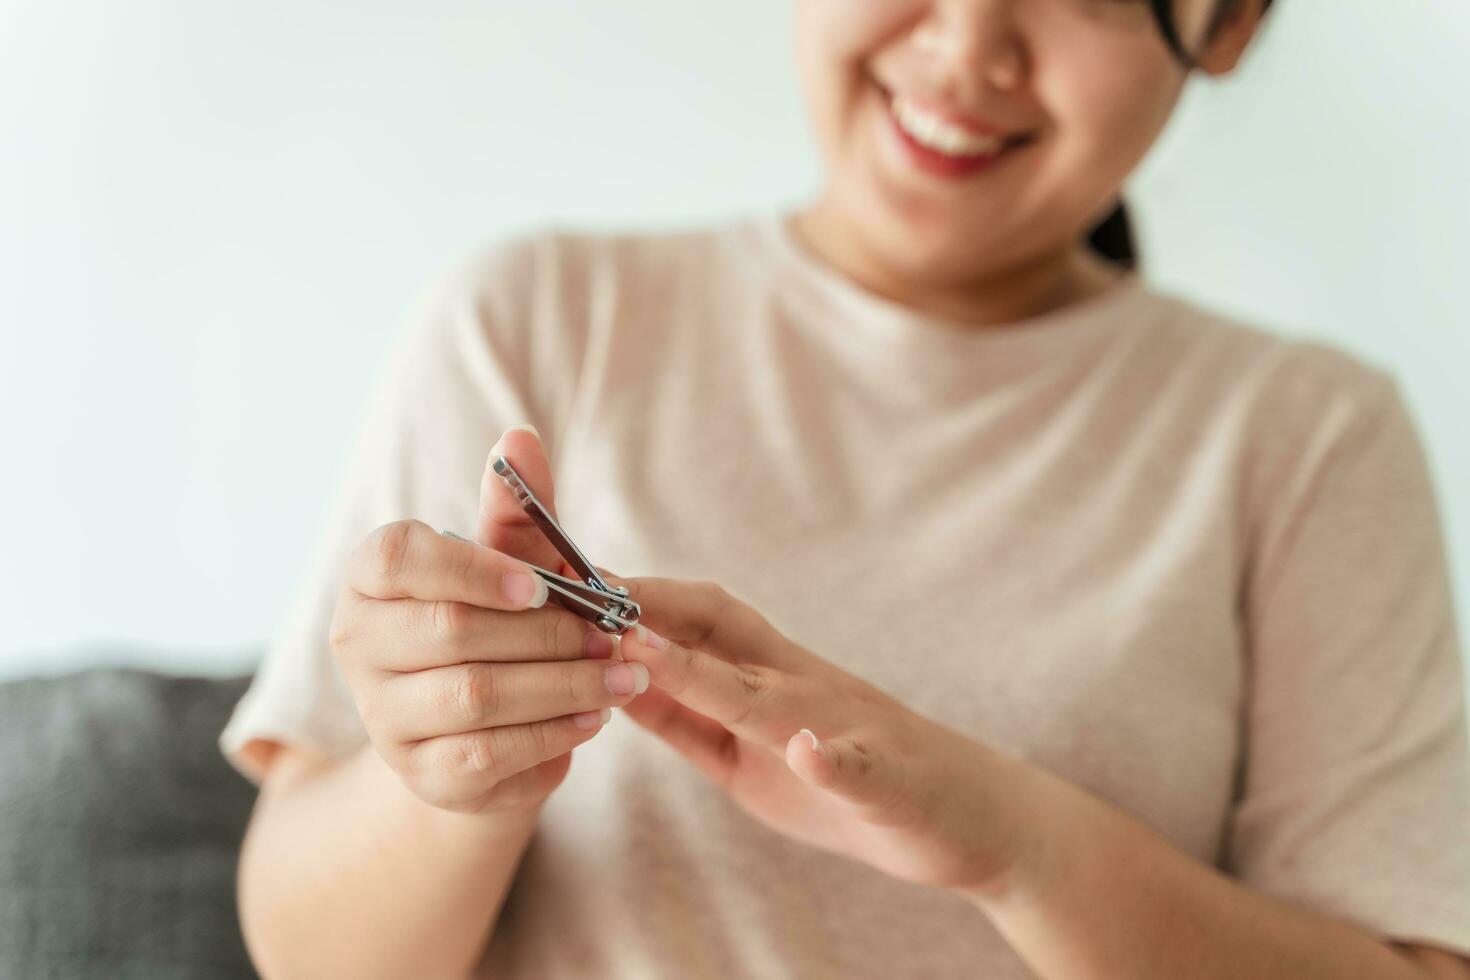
1170 13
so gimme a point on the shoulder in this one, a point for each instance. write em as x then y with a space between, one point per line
548 290
571 266
1287 382
1292 411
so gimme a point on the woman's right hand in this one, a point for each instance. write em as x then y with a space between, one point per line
471 687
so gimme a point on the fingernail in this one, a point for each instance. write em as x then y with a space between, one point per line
496 449
649 638
626 678
816 746
599 645
524 589
592 719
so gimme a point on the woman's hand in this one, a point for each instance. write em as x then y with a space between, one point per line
471 688
873 781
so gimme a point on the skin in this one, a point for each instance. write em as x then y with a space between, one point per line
470 697
1091 79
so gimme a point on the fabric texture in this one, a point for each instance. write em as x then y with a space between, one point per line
120 828
1192 564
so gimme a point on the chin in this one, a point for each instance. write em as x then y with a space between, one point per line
937 251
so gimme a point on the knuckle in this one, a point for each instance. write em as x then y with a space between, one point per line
720 594
476 693
578 688
528 742
550 629
571 635
392 547
339 632
445 772
898 796
755 686
538 739
717 602
476 755
422 770
753 682
462 562
449 622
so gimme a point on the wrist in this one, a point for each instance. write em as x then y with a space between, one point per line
488 826
1037 807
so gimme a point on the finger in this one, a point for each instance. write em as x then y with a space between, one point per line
408 559
504 524
704 616
468 697
851 768
417 634
458 769
529 786
703 741
755 701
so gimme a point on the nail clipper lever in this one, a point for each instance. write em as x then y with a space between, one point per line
606 606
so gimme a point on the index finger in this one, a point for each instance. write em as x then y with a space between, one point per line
705 616
755 701
410 560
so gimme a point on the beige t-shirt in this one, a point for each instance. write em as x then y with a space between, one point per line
1189 564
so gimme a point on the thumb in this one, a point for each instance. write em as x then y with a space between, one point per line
847 767
503 523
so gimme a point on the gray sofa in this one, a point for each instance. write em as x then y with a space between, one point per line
120 826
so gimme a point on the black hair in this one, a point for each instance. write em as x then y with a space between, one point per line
1113 238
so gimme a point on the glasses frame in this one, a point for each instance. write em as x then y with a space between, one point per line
1164 16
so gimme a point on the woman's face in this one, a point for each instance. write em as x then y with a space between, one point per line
1077 89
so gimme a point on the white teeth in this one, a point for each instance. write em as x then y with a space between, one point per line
937 134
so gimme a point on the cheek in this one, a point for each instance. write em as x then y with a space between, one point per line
835 42
1107 101
843 32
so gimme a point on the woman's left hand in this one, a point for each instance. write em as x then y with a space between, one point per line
875 781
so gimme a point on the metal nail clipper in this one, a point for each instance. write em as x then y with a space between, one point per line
607 606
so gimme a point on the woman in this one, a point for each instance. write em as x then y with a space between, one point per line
1004 616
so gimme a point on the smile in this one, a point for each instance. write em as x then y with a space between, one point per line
943 147
941 136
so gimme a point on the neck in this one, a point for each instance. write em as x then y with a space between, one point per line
1004 296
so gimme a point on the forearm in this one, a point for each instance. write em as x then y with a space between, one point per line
344 872
1102 896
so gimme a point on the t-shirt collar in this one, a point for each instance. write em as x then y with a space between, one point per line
889 329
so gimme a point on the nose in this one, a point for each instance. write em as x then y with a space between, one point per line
973 44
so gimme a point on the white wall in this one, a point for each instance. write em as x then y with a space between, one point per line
215 216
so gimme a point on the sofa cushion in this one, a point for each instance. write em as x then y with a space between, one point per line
120 827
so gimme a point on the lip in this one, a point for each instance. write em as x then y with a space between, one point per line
939 164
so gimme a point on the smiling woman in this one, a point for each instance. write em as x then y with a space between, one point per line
1001 614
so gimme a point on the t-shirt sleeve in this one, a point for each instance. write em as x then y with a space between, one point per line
1355 790
478 357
